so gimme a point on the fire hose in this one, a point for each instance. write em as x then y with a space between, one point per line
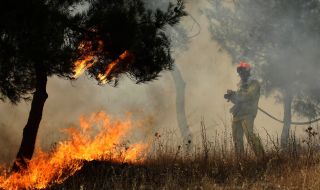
294 123
229 94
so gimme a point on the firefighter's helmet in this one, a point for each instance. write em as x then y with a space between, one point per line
243 66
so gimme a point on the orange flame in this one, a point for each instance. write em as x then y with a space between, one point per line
83 64
103 77
68 157
90 57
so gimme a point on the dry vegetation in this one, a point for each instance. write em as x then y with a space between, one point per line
210 166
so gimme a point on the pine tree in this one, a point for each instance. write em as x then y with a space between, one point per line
39 39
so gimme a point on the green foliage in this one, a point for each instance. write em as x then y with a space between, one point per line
129 26
32 33
48 33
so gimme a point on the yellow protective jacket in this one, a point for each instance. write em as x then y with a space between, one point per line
246 99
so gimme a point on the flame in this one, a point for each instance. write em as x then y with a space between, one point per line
89 58
110 67
68 157
83 64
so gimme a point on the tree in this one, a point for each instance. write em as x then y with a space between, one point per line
180 41
180 85
280 38
40 39
176 35
141 53
33 48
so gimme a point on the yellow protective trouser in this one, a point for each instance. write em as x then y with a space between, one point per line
245 125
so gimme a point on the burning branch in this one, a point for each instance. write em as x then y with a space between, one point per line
90 56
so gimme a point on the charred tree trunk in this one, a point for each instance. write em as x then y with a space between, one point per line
287 101
180 106
31 129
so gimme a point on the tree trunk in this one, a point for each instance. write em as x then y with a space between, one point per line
287 101
31 129
180 106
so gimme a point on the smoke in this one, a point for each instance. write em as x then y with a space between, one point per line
280 38
206 68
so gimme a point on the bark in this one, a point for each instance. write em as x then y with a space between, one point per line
180 106
31 129
287 117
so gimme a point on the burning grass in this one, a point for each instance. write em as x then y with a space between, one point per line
209 166
104 163
98 138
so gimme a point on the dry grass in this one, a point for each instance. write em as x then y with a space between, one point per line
210 166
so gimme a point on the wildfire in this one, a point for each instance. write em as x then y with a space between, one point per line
68 157
122 57
89 58
83 64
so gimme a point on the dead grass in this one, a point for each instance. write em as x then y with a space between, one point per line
213 165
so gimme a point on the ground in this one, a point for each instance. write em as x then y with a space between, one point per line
297 167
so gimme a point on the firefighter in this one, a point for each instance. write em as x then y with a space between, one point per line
244 111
